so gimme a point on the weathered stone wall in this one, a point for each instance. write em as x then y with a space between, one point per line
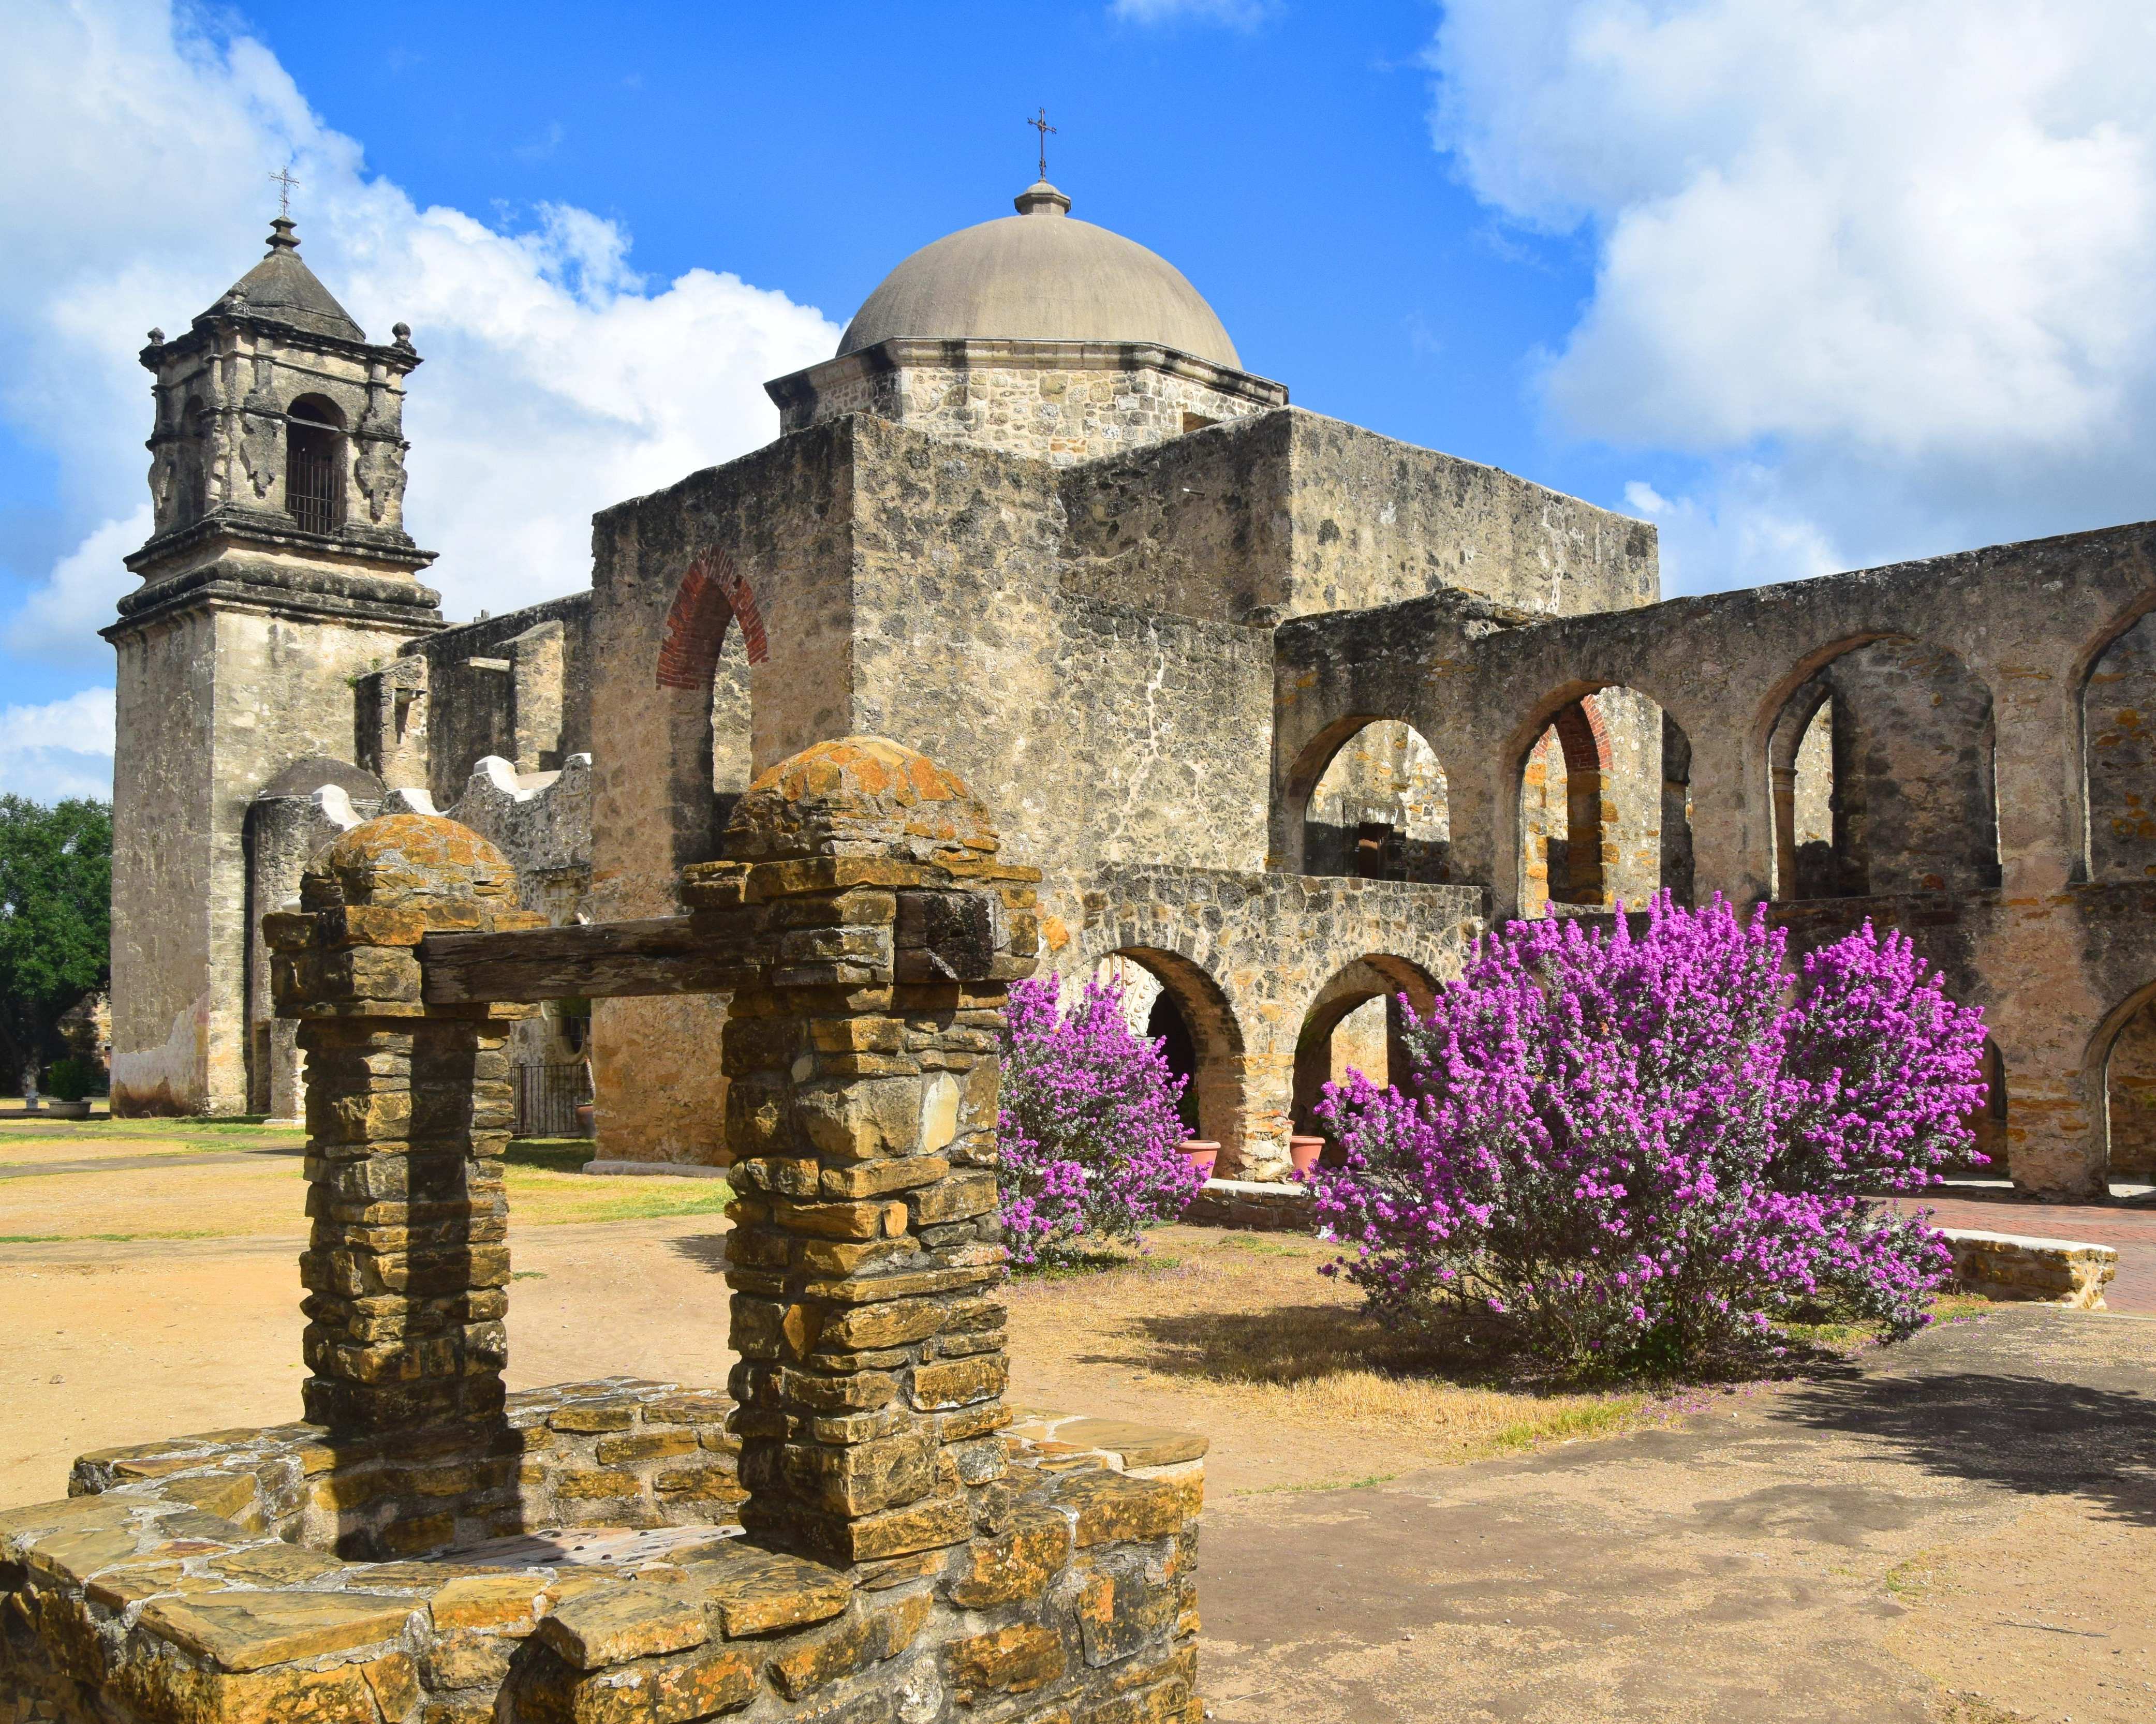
1061 402
1248 958
1288 514
213 702
2119 711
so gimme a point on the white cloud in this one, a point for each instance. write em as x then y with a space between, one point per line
557 380
1882 263
62 748
1237 14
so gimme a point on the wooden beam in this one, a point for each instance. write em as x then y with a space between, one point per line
597 961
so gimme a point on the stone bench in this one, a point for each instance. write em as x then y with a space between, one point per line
2004 1266
1256 1206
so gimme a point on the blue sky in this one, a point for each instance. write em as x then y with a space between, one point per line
1813 283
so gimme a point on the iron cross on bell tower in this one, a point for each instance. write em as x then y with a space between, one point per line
1044 128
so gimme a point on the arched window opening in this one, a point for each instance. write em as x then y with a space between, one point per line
1605 806
731 766
2130 1098
1167 996
315 465
1380 811
2118 716
1881 768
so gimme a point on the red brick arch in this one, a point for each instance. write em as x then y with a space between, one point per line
711 594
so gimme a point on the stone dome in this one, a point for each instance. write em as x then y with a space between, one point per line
1040 276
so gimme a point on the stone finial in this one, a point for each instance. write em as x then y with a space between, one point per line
856 796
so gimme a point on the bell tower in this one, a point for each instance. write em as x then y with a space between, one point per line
278 571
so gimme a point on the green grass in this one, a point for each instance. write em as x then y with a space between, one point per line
557 1155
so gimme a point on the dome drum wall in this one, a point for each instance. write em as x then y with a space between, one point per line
1064 402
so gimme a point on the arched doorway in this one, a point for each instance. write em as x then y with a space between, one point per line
2129 1096
1881 768
1354 1023
1987 1125
2119 727
1605 806
1168 996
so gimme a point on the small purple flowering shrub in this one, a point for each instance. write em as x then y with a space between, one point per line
1621 1151
1089 1128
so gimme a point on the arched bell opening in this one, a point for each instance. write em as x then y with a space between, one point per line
315 465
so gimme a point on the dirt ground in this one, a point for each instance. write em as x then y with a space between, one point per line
1961 1529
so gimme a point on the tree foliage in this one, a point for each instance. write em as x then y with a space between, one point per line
55 918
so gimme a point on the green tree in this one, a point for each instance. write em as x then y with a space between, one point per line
55 920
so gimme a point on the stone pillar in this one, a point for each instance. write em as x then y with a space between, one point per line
861 1114
408 1109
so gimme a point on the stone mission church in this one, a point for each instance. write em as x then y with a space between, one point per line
1286 712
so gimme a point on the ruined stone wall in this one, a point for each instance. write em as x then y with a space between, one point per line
782 517
517 686
2010 633
1247 956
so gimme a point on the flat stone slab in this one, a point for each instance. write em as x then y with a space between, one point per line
1256 1205
2005 1265
671 1170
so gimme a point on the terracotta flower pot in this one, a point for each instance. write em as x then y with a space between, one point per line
1303 1152
1203 1152
587 1125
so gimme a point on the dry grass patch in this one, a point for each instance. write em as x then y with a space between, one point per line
1244 1325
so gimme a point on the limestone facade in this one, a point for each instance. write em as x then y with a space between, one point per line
1312 706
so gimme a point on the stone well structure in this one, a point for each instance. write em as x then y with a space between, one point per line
852 1531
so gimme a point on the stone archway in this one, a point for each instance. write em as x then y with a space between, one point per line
1349 994
707 700
1880 764
1212 1059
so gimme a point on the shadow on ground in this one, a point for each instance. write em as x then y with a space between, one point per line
2037 1435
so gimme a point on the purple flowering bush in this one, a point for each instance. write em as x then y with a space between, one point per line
1089 1128
1623 1152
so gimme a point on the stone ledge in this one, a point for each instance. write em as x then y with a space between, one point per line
1257 1206
673 1170
2004 1266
